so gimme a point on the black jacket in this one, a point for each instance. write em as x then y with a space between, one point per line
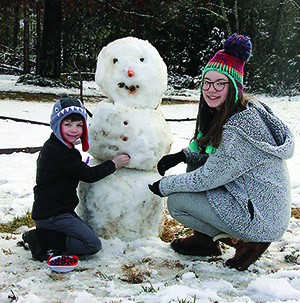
59 170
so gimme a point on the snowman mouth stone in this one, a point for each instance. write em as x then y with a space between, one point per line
131 88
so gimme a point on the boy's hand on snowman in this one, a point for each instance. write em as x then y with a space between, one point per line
168 161
121 160
155 188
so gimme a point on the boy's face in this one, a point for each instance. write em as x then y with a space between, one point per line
71 131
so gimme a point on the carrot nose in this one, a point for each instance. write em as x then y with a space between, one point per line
130 72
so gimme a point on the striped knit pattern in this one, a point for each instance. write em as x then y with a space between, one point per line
228 64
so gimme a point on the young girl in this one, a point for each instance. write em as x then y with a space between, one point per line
59 169
236 189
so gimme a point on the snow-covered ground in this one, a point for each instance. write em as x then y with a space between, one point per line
140 270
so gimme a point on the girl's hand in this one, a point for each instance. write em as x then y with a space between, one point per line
168 161
155 188
121 160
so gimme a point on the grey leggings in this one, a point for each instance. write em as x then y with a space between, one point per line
193 210
80 240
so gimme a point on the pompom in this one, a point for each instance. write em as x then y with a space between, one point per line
238 46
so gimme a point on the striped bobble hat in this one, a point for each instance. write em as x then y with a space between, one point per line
231 60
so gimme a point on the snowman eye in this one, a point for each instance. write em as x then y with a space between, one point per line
142 59
115 60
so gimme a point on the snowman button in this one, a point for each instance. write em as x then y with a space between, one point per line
124 138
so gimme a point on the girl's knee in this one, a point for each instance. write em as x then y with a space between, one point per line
173 204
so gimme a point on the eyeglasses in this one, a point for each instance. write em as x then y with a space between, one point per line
217 85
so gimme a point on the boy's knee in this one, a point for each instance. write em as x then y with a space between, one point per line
79 247
97 245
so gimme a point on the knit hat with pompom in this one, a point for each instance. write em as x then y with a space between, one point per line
231 60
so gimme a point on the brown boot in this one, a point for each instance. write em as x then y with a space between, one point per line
198 245
246 253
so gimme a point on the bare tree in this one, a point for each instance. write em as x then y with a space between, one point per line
16 25
26 40
51 44
236 16
225 17
38 36
277 22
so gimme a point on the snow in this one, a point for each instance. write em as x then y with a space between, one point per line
160 275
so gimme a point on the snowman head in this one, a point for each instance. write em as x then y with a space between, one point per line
131 72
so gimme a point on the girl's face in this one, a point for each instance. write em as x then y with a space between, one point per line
71 131
217 85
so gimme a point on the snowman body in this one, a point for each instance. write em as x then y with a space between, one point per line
131 73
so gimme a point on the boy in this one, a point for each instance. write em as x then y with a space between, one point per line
59 169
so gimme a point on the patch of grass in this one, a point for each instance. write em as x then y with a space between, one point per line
11 227
293 257
186 300
149 288
13 297
296 212
172 229
172 264
103 276
8 237
47 97
172 101
23 96
7 251
57 276
134 275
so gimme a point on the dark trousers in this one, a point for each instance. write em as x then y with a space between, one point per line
80 240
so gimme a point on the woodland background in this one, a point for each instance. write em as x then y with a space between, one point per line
56 42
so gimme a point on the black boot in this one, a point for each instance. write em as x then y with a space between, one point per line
53 241
44 243
37 250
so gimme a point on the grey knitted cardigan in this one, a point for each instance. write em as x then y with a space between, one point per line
246 180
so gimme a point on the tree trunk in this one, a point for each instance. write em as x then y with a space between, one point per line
38 37
51 44
26 40
276 25
16 25
237 30
224 14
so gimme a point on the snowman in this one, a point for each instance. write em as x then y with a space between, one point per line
131 73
